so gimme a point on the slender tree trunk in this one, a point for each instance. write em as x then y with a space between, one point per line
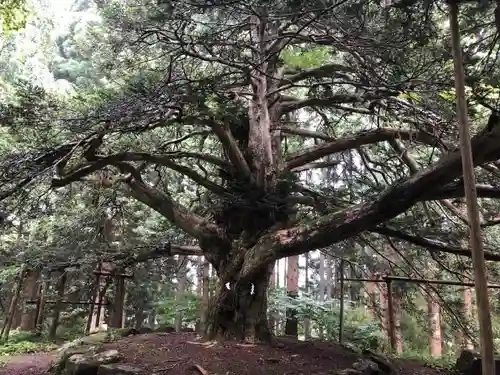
61 284
272 286
384 309
181 291
205 293
292 286
199 288
371 296
322 286
277 328
329 277
30 293
469 316
307 322
13 305
40 314
397 319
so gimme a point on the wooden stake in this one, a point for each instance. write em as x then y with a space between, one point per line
390 308
341 320
484 316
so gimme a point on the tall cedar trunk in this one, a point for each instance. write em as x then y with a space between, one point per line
277 328
469 315
272 286
8 323
307 322
199 281
384 309
116 318
205 292
181 291
371 296
240 311
40 314
322 286
30 291
329 277
61 284
292 290
396 300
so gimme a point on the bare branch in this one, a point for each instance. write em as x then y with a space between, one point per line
432 244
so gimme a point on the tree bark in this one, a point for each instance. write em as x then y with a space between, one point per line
434 316
116 318
307 322
329 277
30 293
181 291
205 292
468 315
61 284
240 312
292 286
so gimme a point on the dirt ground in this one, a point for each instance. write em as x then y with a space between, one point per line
177 353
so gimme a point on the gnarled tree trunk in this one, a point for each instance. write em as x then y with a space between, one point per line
239 310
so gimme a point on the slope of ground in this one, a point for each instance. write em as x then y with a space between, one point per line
177 353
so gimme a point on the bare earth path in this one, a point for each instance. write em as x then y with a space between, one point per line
177 353
31 364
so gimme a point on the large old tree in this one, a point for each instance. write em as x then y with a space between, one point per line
257 95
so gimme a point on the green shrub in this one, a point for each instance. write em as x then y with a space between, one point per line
25 343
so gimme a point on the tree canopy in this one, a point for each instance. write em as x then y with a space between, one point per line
266 130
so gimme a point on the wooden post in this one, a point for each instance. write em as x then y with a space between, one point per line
341 320
390 307
484 314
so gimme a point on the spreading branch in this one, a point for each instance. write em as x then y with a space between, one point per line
346 223
354 141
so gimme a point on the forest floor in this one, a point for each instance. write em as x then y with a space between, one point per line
178 353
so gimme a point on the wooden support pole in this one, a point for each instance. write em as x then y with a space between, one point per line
484 314
341 319
392 325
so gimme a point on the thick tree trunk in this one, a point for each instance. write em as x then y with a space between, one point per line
240 312
61 284
30 293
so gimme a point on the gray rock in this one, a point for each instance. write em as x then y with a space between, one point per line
349 371
465 361
79 364
118 369
107 357
366 367
384 364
